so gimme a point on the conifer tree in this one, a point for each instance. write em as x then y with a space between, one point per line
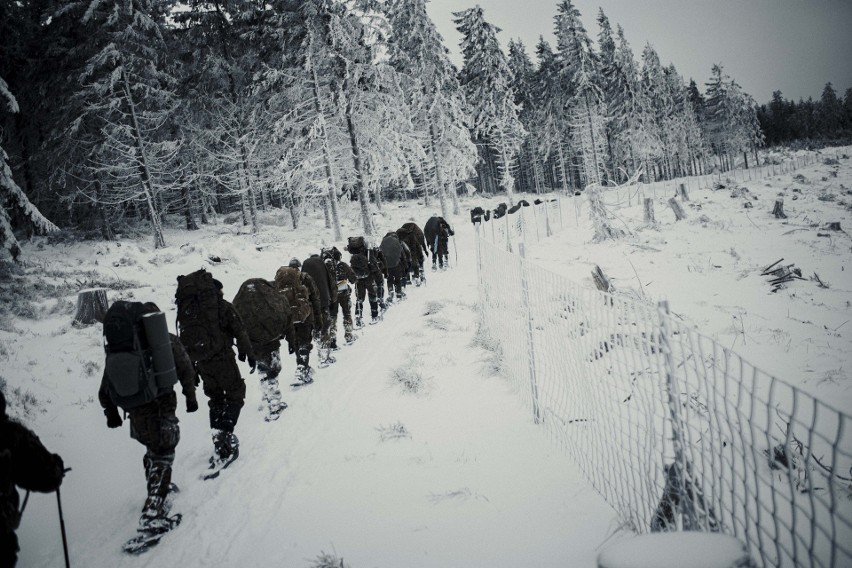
487 83
126 97
13 198
433 94
578 75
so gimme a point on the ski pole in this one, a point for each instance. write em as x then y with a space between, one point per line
456 251
62 528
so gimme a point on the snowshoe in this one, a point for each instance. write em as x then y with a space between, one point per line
274 410
359 323
350 338
218 464
325 359
434 267
304 376
154 530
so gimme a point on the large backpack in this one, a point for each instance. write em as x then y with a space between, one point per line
356 245
392 250
198 321
129 363
265 311
289 282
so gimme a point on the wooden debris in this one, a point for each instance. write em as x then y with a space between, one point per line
681 191
819 281
833 226
602 283
780 275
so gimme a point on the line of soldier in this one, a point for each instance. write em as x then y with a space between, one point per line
299 306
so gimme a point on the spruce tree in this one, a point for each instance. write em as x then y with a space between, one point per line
487 83
433 93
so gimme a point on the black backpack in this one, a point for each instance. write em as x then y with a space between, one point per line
129 363
198 323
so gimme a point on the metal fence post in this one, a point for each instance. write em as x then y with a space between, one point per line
525 287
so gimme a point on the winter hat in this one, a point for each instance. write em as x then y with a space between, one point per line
295 263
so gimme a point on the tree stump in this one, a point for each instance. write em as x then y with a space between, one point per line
602 283
678 210
649 211
681 191
778 210
92 306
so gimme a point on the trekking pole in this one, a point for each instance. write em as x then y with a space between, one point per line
62 527
456 251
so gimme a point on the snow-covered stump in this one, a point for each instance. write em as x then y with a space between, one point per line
676 550
682 193
678 210
649 211
778 209
92 306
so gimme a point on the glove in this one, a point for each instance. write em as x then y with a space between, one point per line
191 405
291 348
253 364
113 419
241 356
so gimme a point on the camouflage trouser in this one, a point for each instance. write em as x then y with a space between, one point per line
366 287
268 359
344 305
395 279
156 427
304 334
225 389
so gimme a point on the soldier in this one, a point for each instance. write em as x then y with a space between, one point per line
412 236
396 268
209 327
326 283
153 424
303 296
344 276
437 233
24 462
267 316
368 276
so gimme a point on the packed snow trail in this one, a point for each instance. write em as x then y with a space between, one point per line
462 478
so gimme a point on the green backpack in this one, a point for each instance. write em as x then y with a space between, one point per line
265 311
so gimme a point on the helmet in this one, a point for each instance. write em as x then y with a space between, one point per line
295 263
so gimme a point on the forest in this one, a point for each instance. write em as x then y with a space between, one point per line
123 113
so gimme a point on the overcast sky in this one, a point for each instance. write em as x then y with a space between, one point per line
795 46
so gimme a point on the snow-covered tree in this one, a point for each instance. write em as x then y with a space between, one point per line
731 117
487 83
433 94
15 201
578 74
126 98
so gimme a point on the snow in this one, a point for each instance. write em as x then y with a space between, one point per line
456 474
675 550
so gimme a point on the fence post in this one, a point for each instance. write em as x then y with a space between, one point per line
525 287
680 468
508 238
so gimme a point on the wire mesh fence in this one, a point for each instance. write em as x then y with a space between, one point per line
676 431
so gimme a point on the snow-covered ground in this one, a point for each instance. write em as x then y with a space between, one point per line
453 475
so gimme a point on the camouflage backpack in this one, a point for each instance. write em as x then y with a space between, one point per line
131 380
265 311
289 282
198 322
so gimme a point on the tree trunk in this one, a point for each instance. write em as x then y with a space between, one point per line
92 306
439 181
681 191
147 186
360 187
187 208
326 154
